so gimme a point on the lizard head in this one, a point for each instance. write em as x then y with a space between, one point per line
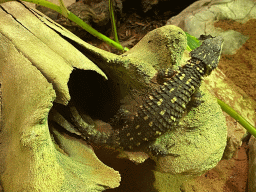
209 52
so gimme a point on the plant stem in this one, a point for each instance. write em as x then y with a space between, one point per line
94 32
63 8
242 121
77 20
113 22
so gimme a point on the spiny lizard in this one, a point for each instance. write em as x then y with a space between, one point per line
165 106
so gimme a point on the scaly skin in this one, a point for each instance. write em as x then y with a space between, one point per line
165 106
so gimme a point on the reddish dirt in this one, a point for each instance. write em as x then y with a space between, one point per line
228 175
241 67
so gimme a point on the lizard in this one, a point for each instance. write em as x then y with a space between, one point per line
163 108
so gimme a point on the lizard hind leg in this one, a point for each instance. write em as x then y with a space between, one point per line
120 118
196 100
159 150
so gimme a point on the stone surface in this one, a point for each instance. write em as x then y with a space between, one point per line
100 57
68 156
50 63
219 85
199 18
142 60
35 64
223 88
141 63
198 143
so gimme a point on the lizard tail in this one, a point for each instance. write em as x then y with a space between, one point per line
97 131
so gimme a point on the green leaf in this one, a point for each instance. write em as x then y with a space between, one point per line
192 42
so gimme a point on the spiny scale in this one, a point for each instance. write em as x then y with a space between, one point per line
163 108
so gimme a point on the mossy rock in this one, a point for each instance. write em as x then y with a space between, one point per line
198 143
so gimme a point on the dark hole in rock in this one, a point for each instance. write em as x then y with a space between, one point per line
95 96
